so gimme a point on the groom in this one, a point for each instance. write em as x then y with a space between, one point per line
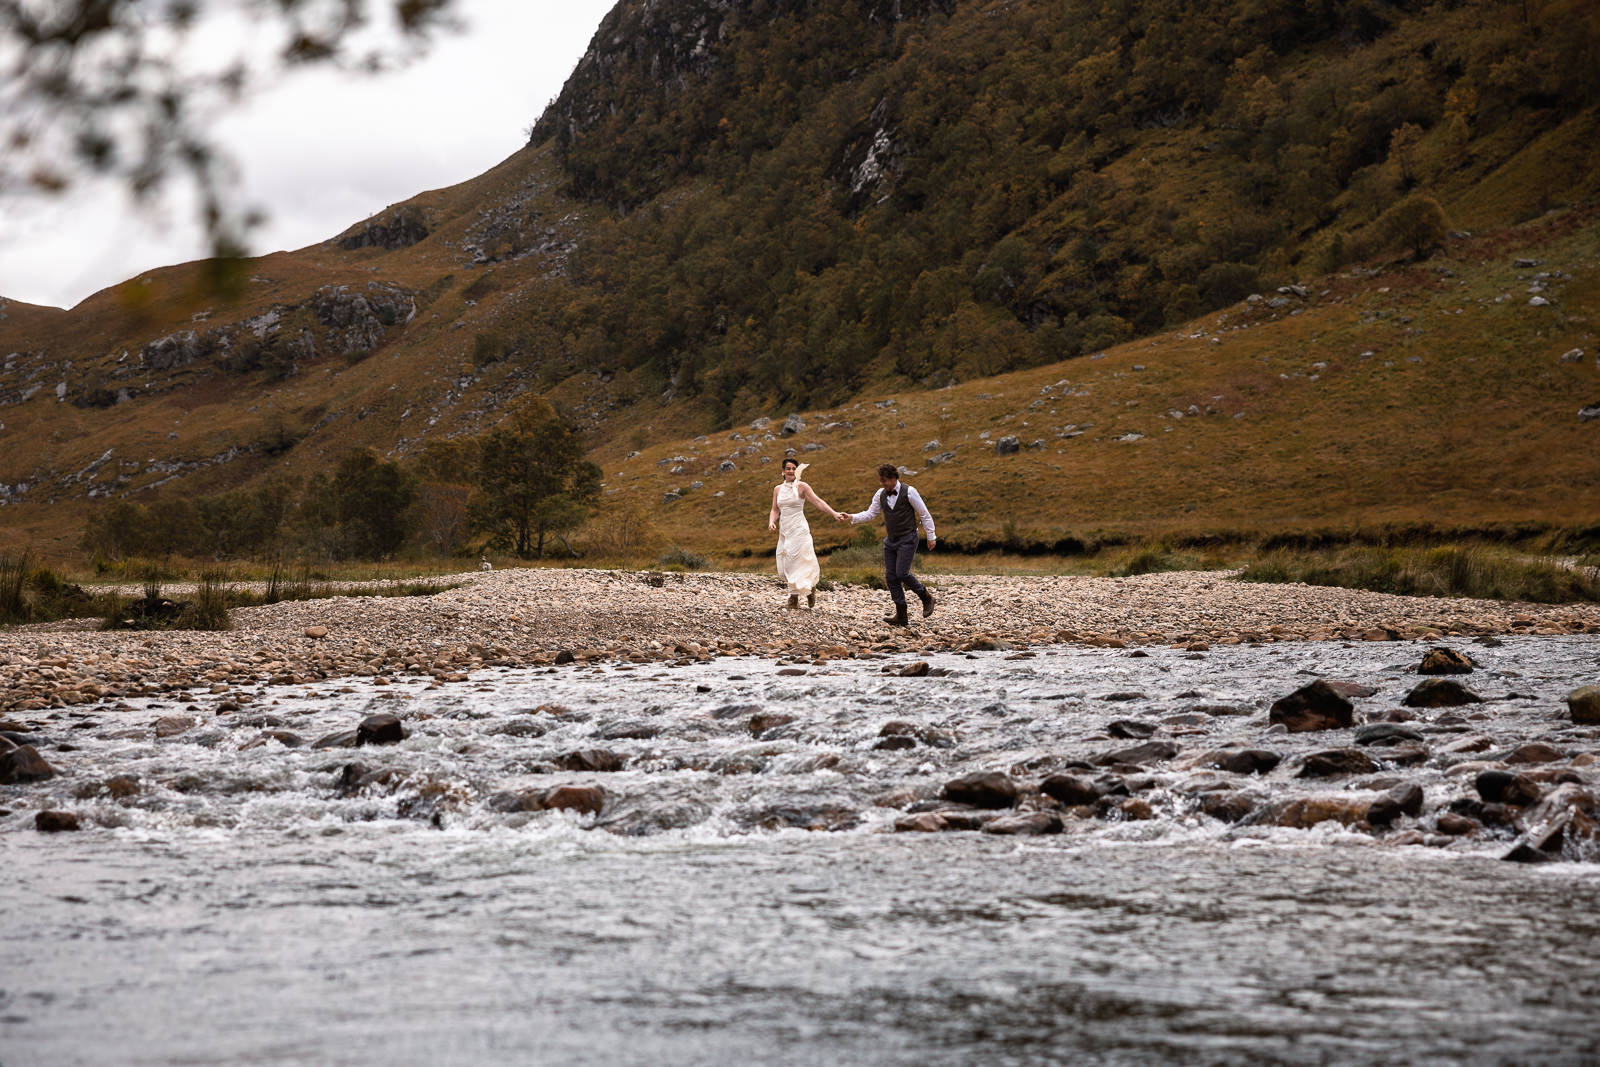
902 507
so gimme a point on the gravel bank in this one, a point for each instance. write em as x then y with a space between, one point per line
523 617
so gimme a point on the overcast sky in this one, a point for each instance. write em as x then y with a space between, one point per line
319 151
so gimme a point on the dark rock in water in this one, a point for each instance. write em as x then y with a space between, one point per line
1386 733
1112 786
1584 704
24 764
1122 697
381 729
1456 825
735 711
1246 760
1351 690
1401 800
1404 755
894 743
354 777
563 657
586 799
520 800
760 724
1532 752
926 822
122 785
1445 661
1226 807
1313 707
591 759
918 669
897 728
817 817
1033 822
630 731
1132 729
985 789
521 728
1507 787
55 822
1565 825
1336 761
1149 752
10 739
1440 693
1070 789
342 739
1218 711
286 738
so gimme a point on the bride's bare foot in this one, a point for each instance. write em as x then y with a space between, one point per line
794 601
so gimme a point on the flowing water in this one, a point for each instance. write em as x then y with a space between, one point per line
743 897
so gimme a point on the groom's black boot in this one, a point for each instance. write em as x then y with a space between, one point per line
927 603
899 616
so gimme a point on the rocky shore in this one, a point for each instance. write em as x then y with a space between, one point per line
548 617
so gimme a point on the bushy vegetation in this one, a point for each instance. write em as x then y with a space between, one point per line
841 192
518 486
1482 572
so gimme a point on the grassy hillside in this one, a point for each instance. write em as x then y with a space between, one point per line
1022 218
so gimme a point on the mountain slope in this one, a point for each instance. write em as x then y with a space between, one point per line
738 209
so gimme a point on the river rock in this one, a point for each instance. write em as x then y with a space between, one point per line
1306 812
1532 752
585 799
316 633
1312 707
381 729
924 822
1246 760
1131 729
985 789
1403 799
1456 825
1440 693
1445 661
1351 690
173 725
55 822
1069 789
894 743
1565 825
1336 761
1584 704
1029 823
342 739
1138 755
591 759
918 669
1507 787
1386 733
1226 807
768 720
24 764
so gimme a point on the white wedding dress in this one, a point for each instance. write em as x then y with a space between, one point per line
797 558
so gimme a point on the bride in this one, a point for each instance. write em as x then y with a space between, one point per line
797 559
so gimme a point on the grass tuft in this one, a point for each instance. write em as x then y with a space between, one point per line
1479 572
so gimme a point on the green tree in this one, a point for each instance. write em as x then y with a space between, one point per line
371 503
533 481
1417 223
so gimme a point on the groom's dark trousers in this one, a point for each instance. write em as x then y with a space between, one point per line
897 556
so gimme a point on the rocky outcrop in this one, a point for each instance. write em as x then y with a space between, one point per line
398 229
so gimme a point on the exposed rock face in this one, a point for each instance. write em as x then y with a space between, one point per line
172 351
1313 707
357 322
401 229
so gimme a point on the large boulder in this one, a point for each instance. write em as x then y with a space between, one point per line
985 789
1507 787
381 729
1313 707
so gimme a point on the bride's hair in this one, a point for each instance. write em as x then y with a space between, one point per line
788 460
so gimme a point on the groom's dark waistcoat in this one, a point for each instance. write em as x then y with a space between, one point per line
902 518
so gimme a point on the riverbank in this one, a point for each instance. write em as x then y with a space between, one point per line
545 617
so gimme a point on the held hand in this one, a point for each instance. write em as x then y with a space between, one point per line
772 526
931 542
843 517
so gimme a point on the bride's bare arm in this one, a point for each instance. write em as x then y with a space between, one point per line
772 518
807 492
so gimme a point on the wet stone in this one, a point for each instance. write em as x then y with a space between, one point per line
1403 799
1033 822
1584 705
894 743
381 729
591 759
1312 707
1439 661
1070 789
1149 752
1131 729
24 764
985 789
1333 762
55 822
1246 760
342 739
760 724
1226 807
1456 825
1507 787
1533 752
585 799
1440 693
1386 733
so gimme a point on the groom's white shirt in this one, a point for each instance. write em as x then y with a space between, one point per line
878 504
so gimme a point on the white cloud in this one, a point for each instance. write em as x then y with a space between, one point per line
318 152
